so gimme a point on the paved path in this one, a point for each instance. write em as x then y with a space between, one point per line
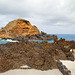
70 65
32 72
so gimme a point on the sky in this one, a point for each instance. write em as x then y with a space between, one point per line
50 16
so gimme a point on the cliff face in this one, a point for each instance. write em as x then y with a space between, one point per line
17 28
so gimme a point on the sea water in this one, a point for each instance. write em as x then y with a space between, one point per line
43 40
2 41
68 37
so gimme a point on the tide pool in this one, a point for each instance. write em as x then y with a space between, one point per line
2 41
43 40
68 37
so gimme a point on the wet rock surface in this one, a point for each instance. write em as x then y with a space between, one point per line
41 56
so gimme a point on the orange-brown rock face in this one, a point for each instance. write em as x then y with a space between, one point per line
17 28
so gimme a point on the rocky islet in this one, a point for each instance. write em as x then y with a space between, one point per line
22 29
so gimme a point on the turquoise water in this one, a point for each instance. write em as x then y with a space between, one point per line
68 37
3 41
42 40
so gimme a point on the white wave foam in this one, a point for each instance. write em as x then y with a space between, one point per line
9 40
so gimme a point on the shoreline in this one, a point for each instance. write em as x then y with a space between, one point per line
37 55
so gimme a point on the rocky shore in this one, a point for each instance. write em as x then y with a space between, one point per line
22 29
40 36
37 55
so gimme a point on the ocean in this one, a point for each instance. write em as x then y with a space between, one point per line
68 37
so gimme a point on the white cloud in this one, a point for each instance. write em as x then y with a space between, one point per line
58 15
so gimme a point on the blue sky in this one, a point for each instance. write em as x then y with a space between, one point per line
50 16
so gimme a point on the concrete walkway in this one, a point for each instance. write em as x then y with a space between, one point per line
70 65
32 72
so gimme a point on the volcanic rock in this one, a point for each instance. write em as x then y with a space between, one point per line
37 55
22 29
17 28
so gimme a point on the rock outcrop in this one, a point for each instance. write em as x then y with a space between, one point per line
17 28
39 36
37 55
22 29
